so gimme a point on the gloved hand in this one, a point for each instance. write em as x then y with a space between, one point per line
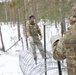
30 38
41 37
55 39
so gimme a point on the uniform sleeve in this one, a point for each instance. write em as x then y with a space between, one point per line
39 31
59 51
28 31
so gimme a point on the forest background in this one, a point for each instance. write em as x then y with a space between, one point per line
18 11
13 10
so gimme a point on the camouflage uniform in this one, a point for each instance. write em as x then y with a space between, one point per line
66 48
34 32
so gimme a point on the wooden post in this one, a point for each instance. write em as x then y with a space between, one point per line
2 40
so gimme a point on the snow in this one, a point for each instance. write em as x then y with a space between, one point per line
9 64
27 64
9 61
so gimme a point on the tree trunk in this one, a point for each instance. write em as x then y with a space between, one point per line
33 9
6 11
18 23
55 15
2 40
24 24
63 18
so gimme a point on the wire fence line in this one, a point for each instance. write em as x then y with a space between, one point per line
28 66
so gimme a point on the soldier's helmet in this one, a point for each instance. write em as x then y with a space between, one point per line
31 16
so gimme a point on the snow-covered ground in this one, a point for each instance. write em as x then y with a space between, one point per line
9 61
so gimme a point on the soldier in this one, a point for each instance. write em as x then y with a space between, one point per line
33 33
65 47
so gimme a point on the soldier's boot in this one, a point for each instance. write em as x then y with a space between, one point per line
42 54
35 59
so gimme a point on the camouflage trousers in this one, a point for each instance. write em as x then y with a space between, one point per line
39 45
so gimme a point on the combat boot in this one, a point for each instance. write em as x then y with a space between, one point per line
35 59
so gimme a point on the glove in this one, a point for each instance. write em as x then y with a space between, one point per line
55 39
41 37
30 38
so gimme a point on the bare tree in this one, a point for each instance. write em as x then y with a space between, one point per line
33 9
2 40
24 18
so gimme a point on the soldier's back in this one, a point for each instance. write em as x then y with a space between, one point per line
70 52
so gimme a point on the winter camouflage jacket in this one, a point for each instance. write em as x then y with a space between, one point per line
66 48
